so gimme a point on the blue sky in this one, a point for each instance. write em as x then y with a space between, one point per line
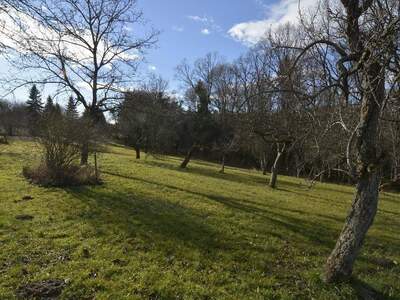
190 29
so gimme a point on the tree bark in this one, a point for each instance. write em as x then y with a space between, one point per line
96 170
339 266
222 171
137 150
91 120
264 164
84 154
187 157
10 130
274 169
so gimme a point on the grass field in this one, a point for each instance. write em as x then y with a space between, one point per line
153 231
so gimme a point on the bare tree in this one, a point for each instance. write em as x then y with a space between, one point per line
365 47
200 81
83 46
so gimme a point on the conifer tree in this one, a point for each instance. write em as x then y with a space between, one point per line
35 109
49 107
57 110
71 111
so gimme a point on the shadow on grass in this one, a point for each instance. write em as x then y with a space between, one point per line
391 198
152 219
245 178
161 223
316 232
319 198
311 226
13 155
249 179
365 291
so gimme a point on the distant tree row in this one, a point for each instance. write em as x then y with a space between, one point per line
21 118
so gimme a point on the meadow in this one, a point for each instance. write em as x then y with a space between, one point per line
154 231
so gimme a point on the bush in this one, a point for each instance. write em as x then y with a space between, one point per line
71 176
3 139
59 140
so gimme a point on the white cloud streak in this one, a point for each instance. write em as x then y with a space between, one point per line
198 19
285 11
19 38
208 22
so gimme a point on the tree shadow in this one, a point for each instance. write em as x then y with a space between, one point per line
153 219
249 179
365 291
13 155
159 222
388 197
317 233
318 198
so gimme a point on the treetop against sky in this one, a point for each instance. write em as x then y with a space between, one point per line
190 29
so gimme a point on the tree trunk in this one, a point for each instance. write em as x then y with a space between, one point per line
187 157
264 164
222 171
137 149
10 130
85 154
274 169
364 207
5 139
91 120
96 170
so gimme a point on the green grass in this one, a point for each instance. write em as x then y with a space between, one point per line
154 231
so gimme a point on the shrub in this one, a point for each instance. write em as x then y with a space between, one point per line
72 176
60 143
3 139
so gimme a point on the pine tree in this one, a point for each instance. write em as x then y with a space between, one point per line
71 111
57 110
34 104
49 107
35 109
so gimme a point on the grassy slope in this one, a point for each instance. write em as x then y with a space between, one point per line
156 232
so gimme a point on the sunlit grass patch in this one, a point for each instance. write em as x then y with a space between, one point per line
154 231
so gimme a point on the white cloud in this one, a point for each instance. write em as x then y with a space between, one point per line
208 22
205 31
152 68
33 35
198 19
285 11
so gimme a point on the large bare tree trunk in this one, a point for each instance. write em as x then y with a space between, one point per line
188 157
363 210
274 169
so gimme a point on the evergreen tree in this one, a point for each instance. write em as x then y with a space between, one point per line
71 111
34 104
49 107
35 109
57 110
